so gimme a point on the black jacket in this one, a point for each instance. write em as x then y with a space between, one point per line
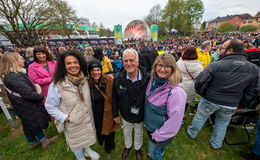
147 57
230 81
28 107
124 96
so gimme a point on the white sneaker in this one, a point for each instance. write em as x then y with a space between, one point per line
92 154
83 158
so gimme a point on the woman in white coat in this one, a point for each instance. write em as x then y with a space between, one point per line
190 68
68 101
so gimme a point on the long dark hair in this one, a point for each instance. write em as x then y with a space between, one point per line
98 54
100 82
61 70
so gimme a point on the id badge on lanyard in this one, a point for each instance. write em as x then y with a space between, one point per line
135 110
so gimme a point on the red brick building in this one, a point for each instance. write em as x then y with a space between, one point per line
236 20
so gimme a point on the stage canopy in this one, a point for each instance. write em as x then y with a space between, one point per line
137 30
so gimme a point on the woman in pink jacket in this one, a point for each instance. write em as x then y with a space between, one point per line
42 69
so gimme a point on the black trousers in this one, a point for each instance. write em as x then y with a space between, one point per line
108 139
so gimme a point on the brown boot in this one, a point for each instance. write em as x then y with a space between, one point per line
138 155
48 141
125 153
35 144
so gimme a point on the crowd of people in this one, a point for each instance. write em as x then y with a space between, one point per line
89 91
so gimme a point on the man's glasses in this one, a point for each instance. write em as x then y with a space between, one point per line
222 48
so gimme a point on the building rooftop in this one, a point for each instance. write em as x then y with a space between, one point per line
243 16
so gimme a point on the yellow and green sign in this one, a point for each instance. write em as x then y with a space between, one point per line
118 32
154 32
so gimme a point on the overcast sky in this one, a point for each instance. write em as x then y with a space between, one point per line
112 12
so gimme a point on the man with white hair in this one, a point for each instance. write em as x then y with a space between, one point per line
203 53
128 98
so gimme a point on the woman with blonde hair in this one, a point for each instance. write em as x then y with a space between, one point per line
88 54
25 100
29 57
164 106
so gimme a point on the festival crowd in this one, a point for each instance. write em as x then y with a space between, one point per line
88 92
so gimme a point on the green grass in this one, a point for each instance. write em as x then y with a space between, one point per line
161 38
182 147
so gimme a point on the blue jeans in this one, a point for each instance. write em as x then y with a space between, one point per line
223 117
79 154
256 148
40 137
156 151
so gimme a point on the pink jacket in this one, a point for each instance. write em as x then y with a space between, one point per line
39 75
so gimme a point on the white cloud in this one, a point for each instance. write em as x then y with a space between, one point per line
215 8
112 12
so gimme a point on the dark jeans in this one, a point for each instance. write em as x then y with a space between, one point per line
40 136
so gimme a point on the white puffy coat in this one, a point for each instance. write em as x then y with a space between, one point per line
80 131
194 67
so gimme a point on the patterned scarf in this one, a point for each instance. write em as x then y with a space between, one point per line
79 82
157 82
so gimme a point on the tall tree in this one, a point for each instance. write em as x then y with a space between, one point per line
203 26
65 17
162 28
21 17
173 13
27 21
154 15
94 24
101 29
194 10
182 14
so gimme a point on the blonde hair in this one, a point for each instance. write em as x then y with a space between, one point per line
248 46
29 52
8 63
175 77
89 51
62 49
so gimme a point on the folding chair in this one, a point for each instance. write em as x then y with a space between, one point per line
241 119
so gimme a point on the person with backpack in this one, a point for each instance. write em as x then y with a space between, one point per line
116 64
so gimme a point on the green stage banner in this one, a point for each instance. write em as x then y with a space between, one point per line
154 32
118 33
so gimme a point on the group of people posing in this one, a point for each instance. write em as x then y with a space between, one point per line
87 102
